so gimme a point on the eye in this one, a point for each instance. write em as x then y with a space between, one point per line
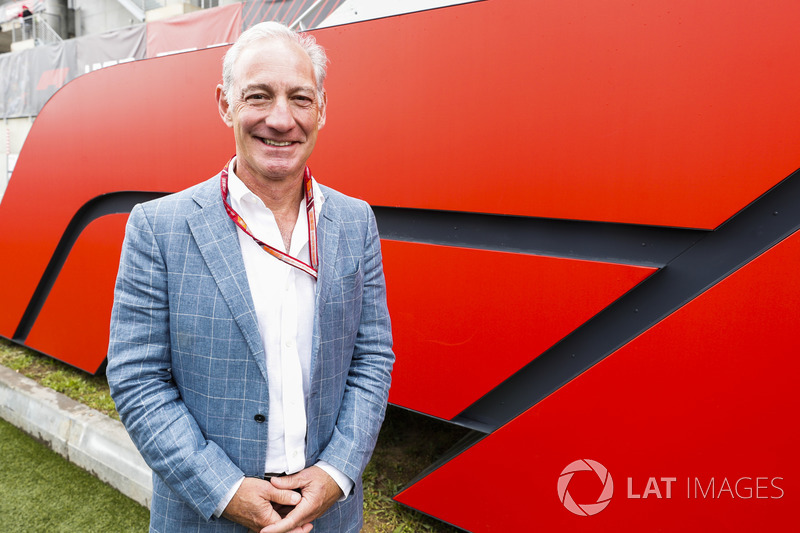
256 98
303 100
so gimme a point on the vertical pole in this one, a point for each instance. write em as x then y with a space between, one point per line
7 173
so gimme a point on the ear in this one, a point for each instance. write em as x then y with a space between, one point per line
224 107
323 107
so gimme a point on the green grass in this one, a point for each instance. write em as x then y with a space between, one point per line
40 491
408 443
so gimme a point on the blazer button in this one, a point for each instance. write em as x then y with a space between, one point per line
259 418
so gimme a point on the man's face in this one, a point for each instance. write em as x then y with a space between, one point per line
274 110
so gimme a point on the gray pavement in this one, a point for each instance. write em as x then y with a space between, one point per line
86 437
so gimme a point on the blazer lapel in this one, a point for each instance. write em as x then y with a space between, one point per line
328 228
328 236
215 234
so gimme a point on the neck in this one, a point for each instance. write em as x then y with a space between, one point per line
279 196
282 197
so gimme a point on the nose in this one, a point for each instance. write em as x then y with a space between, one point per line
280 116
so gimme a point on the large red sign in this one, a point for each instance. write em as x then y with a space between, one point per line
611 189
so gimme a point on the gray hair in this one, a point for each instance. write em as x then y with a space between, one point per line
274 30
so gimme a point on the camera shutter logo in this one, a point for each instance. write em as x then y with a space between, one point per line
585 509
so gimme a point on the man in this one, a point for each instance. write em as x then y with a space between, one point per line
250 352
27 22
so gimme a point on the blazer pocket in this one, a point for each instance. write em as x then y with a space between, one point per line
342 310
348 287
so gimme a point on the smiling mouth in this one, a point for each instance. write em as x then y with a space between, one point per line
270 142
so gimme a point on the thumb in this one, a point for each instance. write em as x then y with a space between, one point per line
284 496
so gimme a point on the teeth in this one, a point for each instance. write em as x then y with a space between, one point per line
276 143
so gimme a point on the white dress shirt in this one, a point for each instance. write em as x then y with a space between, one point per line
284 298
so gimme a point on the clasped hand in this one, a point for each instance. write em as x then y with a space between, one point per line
274 506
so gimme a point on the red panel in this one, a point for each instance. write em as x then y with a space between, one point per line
706 394
464 320
146 125
73 323
676 114
672 113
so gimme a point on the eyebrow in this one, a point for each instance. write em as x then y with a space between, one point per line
265 87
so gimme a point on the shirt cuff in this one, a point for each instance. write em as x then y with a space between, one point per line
344 482
227 499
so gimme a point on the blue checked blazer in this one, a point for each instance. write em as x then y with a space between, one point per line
187 367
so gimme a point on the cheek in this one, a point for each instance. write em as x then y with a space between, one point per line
246 118
308 119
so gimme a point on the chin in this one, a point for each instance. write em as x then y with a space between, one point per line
280 173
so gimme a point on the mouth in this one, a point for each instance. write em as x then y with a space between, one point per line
270 142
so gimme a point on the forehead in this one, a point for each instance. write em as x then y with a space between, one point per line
274 61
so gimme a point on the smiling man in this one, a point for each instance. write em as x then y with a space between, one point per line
250 350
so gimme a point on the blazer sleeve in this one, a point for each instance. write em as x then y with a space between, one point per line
139 374
367 386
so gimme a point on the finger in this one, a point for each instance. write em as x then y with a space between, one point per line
284 497
250 505
305 528
299 517
288 482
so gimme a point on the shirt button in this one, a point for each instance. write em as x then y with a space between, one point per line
259 418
